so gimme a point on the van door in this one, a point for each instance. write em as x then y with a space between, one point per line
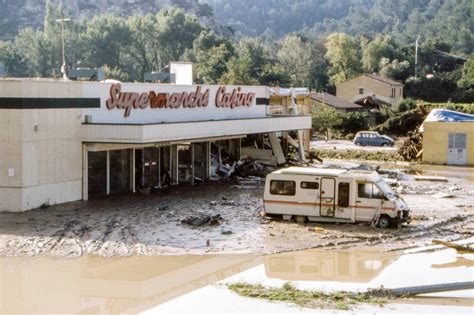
327 201
343 209
369 200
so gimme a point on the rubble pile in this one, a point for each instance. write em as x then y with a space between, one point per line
202 219
412 147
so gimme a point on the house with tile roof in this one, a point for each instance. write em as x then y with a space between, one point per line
371 90
322 99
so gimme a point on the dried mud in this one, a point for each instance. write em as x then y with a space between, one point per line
123 225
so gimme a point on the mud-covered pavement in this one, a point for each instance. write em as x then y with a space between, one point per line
134 224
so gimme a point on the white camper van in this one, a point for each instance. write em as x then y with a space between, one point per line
333 195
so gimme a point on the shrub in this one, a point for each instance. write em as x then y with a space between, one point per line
352 122
406 104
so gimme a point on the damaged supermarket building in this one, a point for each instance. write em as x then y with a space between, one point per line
63 141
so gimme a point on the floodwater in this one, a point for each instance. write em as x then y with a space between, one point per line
194 283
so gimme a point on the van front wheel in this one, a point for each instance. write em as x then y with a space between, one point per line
384 221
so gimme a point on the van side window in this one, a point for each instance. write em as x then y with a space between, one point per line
369 190
309 185
343 197
282 187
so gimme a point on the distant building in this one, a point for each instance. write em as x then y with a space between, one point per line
448 138
321 100
370 90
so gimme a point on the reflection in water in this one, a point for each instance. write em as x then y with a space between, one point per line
459 262
134 284
317 265
107 285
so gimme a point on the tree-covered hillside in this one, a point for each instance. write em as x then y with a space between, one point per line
316 44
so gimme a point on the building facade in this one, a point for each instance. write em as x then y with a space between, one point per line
65 141
448 143
371 90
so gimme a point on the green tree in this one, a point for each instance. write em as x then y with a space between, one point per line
13 60
394 69
176 31
343 57
325 120
144 50
467 78
248 65
35 52
374 51
210 55
49 24
295 58
105 41
353 122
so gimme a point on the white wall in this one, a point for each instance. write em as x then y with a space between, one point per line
183 72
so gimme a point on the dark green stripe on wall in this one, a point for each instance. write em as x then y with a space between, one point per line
263 101
40 103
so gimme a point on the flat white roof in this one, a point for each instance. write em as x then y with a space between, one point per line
311 171
358 174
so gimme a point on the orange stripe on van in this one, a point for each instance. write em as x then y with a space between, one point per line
319 204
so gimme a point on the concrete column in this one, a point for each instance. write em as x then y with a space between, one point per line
159 167
207 160
108 172
192 164
174 159
142 175
133 171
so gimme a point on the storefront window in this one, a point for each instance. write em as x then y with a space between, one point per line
97 173
185 164
119 171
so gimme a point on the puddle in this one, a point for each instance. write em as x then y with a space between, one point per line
107 285
195 283
345 270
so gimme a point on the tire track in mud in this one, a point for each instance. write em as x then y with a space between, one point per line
441 229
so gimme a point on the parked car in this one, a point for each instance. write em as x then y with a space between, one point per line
373 138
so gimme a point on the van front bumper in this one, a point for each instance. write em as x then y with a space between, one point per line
404 216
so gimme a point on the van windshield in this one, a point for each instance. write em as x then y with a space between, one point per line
387 190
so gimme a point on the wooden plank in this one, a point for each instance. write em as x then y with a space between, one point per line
276 147
430 178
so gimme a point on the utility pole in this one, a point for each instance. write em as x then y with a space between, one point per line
63 67
416 54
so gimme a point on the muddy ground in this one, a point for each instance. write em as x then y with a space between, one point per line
134 224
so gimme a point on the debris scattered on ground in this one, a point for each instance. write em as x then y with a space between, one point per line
430 178
130 224
340 300
441 194
163 206
317 229
226 232
459 248
412 147
202 219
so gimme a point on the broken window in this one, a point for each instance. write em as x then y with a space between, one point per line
282 187
309 185
343 196
361 90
